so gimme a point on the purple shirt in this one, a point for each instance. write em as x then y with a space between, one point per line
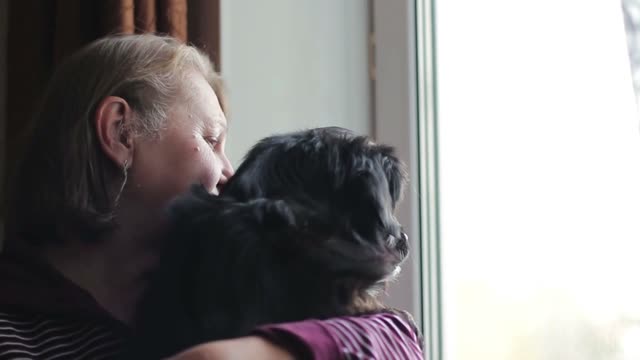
376 336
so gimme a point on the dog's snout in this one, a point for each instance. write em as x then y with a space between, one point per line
399 244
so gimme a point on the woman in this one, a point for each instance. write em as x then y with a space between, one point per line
127 124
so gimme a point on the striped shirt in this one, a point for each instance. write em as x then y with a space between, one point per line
31 336
45 316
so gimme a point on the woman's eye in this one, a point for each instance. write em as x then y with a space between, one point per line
212 141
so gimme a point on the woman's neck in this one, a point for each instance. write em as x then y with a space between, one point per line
113 270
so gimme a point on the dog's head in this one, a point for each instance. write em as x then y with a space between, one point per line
308 215
342 190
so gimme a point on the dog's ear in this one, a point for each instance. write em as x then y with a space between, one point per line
373 238
368 201
396 173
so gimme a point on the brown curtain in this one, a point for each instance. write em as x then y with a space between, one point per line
42 32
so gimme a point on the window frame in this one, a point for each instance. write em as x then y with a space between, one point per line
405 116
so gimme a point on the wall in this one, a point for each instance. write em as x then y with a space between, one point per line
294 64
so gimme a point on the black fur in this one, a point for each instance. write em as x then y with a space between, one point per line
304 229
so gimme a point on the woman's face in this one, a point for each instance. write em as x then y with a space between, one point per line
190 150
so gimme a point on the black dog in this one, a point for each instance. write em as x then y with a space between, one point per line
304 229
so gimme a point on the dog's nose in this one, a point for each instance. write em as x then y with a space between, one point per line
400 244
403 244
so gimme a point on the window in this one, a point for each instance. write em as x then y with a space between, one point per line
538 149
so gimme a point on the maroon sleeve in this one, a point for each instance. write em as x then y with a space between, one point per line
378 336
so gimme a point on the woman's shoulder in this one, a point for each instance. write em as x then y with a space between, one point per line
42 315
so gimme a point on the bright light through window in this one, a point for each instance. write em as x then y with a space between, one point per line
539 149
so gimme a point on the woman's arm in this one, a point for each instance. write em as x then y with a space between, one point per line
376 336
251 347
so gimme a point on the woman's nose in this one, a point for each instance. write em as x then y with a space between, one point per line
227 169
227 173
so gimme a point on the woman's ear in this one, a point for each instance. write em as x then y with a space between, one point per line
113 119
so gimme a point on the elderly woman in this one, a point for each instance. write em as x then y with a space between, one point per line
128 123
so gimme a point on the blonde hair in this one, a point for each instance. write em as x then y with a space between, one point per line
66 183
146 70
